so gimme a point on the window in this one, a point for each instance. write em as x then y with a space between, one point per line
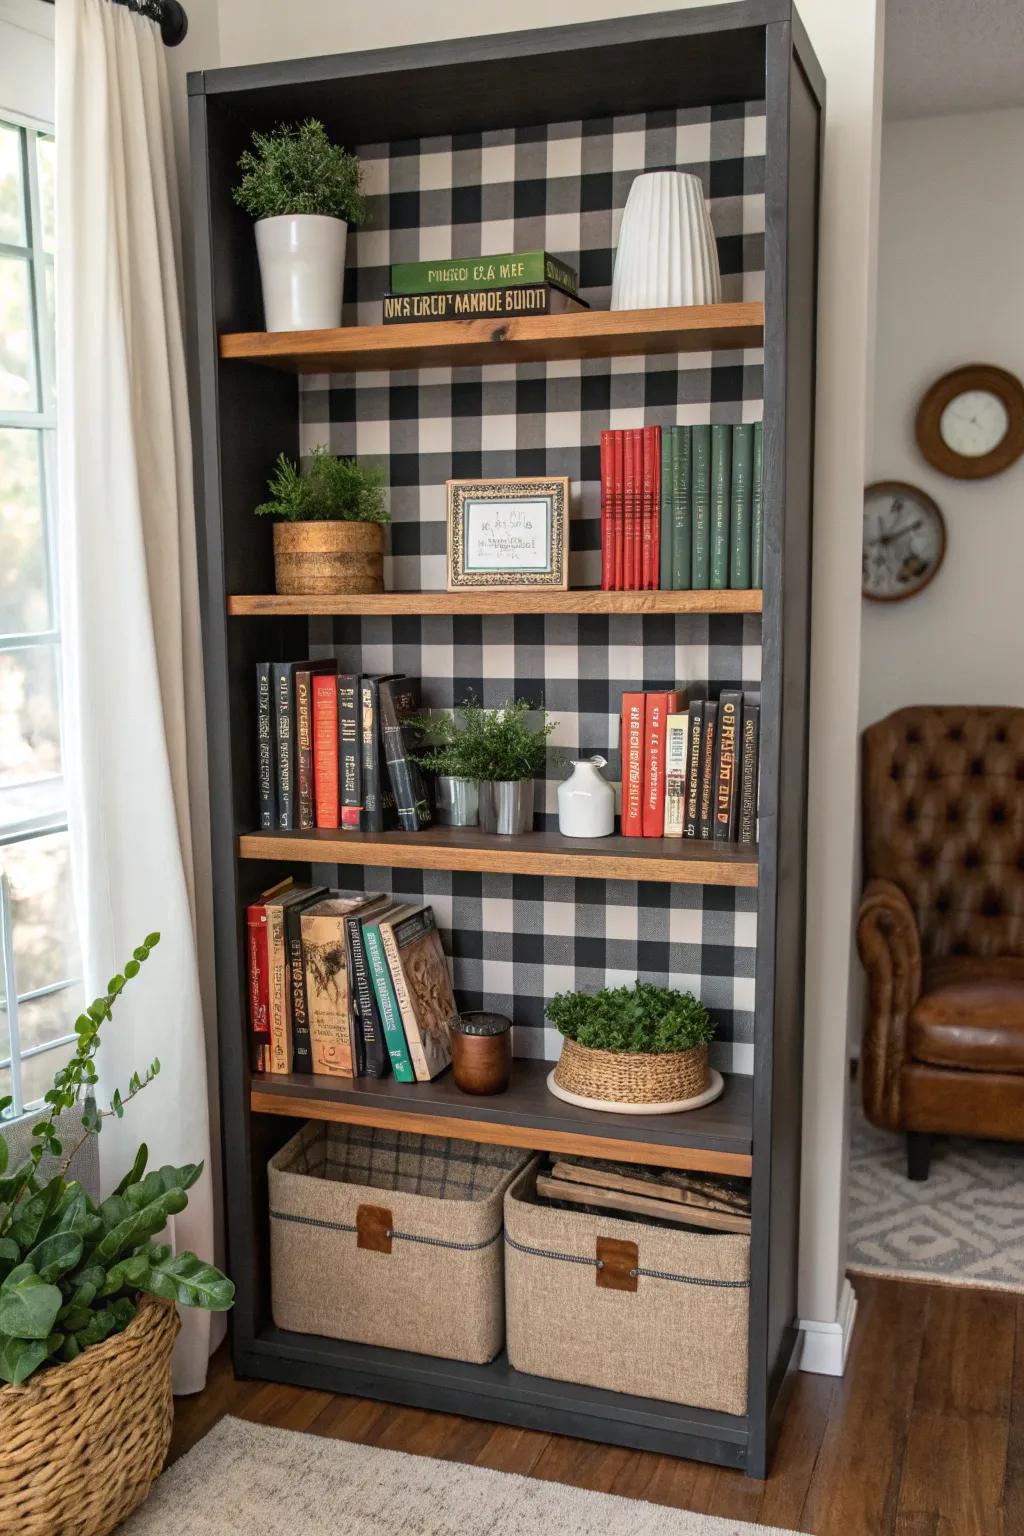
39 990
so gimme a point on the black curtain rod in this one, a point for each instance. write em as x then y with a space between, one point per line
169 15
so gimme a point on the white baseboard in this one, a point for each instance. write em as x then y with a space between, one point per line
826 1345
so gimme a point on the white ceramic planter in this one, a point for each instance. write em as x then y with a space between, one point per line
666 253
586 801
302 268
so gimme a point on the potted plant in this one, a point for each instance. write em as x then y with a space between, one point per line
303 191
330 531
506 754
446 750
635 1047
87 1313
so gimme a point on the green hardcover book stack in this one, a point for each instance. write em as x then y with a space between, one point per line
718 576
458 274
700 506
740 506
757 508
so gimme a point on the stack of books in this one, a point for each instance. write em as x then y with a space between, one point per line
474 287
681 508
689 768
334 750
347 986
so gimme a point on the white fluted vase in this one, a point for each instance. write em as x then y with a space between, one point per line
666 253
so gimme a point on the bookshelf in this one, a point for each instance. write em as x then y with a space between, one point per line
251 388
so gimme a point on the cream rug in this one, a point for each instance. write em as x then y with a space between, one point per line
247 1480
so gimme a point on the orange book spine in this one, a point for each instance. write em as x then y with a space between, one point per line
632 764
325 749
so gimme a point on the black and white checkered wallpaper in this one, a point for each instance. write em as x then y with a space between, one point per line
517 940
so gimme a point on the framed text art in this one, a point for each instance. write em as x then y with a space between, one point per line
508 533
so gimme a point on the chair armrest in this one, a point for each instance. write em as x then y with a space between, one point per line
890 950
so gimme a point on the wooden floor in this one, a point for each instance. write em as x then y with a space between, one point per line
923 1437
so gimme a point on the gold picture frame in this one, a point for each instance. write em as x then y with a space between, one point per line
506 534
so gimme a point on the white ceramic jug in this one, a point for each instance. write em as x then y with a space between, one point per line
586 801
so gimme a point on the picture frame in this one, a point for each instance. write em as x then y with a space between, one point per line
506 534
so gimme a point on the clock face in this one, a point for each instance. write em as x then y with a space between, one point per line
904 541
974 423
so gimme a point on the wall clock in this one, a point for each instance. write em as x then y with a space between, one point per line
904 541
970 424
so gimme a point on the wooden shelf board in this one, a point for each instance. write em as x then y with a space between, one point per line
529 600
715 1139
530 339
677 861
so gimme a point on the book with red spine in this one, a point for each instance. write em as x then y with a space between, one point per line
632 764
325 750
658 707
628 508
259 985
651 481
607 536
618 511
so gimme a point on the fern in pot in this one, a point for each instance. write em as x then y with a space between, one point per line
633 1048
304 192
329 533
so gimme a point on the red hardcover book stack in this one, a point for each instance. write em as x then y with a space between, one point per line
630 509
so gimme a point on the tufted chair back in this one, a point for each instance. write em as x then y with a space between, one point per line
944 819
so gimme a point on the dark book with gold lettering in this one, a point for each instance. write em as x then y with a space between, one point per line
727 757
480 303
705 821
748 771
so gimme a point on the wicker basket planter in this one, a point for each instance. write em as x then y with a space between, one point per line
81 1444
327 557
621 1077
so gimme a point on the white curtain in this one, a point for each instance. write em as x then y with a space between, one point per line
133 722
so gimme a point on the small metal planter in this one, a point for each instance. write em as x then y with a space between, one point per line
506 806
458 802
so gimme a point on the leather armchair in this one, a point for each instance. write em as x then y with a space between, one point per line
941 925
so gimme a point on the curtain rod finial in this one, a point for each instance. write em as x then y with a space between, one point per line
173 23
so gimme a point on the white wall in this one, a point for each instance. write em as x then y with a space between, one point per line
26 59
950 291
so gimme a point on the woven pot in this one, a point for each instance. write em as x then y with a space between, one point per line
625 1077
326 557
80 1444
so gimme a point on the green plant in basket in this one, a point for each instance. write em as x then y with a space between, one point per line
296 169
641 1019
71 1270
327 490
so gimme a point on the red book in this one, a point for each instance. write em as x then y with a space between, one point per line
607 540
259 985
628 508
652 506
632 764
658 708
325 750
618 514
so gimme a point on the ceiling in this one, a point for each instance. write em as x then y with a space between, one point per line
945 56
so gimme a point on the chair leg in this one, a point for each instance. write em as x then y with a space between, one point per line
919 1155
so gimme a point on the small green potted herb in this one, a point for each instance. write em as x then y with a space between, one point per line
304 192
446 750
642 1046
507 753
329 534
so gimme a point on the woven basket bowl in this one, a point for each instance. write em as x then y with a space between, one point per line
80 1444
623 1077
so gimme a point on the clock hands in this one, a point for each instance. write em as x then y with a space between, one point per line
898 533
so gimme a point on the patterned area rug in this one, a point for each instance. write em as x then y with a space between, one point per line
249 1480
963 1225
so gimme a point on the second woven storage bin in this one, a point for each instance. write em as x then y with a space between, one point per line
626 1305
389 1238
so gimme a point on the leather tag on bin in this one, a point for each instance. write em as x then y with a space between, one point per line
617 1264
373 1228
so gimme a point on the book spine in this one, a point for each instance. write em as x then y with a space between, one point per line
284 737
410 1026
747 828
301 1046
632 764
350 752
757 507
265 747
700 505
474 272
677 734
682 519
665 508
325 750
259 986
369 727
280 1023
730 714
652 509
742 505
707 769
718 575
404 773
607 536
619 508
304 749
628 508
394 1034
472 303
692 826
655 711
371 1051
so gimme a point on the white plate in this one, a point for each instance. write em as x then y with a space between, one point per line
711 1092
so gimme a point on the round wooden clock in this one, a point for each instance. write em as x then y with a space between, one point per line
970 424
904 541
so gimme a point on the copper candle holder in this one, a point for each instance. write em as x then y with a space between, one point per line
482 1052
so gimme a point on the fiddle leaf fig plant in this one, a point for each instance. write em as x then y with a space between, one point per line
72 1270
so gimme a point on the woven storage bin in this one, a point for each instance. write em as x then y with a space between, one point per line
80 1444
628 1077
676 1329
386 1238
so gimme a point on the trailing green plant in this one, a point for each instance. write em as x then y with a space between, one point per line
643 1018
326 490
478 743
296 169
71 1270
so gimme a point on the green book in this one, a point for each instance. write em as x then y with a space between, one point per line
721 452
668 456
387 1002
462 272
757 508
741 506
682 519
700 504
